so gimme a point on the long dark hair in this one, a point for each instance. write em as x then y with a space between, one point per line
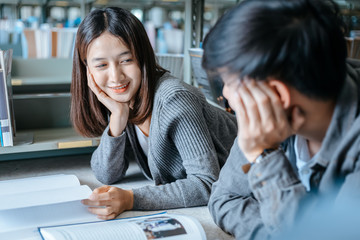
88 115
298 42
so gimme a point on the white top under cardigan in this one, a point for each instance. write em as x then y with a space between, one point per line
143 140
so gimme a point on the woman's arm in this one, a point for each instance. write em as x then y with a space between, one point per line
109 162
181 121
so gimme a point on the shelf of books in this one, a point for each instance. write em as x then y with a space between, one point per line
48 143
34 109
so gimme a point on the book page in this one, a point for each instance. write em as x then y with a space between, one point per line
23 185
26 204
164 226
108 230
23 223
44 197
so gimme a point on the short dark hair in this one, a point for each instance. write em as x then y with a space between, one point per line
300 42
88 115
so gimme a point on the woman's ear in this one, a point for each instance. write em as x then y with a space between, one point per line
282 90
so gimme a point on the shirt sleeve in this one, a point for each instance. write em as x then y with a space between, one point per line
257 204
109 162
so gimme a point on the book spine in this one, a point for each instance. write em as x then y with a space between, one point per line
5 107
1 137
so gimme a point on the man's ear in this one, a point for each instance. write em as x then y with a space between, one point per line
282 90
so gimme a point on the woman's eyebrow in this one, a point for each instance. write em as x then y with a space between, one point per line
103 58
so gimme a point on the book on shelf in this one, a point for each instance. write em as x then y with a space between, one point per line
7 121
50 42
30 43
211 88
157 226
49 207
28 203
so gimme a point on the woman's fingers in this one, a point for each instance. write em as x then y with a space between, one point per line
104 213
108 102
99 197
107 202
97 203
92 84
102 189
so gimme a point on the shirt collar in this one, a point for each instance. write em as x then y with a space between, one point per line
343 117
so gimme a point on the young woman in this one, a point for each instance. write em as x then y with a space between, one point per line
144 114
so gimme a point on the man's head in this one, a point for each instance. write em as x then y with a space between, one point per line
299 42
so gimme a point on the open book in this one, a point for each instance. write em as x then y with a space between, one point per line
28 203
162 225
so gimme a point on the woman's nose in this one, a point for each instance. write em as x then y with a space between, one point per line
116 74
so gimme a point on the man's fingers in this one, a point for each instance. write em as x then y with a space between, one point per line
278 110
239 109
263 102
250 106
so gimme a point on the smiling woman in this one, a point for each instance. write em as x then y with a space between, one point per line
113 68
144 114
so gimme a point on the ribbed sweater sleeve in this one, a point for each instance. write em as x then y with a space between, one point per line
180 122
109 162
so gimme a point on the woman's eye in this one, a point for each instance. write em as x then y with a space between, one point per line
127 60
100 65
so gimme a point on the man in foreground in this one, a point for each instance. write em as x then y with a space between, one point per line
296 98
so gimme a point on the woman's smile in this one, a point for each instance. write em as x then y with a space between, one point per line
120 88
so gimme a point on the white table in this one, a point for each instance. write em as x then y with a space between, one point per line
80 166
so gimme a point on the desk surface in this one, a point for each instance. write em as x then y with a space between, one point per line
80 166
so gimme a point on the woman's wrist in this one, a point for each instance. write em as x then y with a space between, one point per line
130 203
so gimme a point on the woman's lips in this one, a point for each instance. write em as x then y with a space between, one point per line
120 89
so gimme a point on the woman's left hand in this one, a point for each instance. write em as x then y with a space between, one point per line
108 202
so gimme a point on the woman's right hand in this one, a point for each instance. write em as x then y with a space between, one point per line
119 111
108 202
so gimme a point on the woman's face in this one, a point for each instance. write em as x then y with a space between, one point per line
114 68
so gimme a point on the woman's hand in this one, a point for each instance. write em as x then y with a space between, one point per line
262 120
119 111
108 202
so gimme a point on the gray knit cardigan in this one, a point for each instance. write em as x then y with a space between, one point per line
189 141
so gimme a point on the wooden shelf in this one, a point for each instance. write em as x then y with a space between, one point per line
48 142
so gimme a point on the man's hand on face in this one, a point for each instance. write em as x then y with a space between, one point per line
262 120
